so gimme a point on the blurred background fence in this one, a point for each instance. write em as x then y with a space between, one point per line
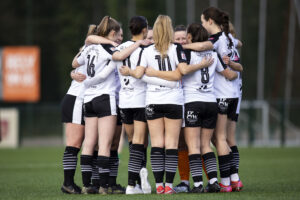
269 30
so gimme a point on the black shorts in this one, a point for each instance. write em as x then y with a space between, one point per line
119 121
201 114
128 115
228 107
171 111
101 106
71 110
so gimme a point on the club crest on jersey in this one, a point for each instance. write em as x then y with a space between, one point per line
112 48
191 117
183 55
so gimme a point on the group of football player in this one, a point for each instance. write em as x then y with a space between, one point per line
181 87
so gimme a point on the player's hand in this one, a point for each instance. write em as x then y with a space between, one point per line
226 60
114 44
125 71
207 61
150 71
146 42
79 77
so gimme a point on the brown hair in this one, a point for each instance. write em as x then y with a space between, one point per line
163 33
106 25
92 30
198 32
220 17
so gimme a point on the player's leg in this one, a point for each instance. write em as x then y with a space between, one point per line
173 121
183 166
221 145
156 130
72 117
231 130
86 158
192 138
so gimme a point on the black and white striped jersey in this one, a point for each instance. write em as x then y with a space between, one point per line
133 91
156 94
95 58
199 85
224 88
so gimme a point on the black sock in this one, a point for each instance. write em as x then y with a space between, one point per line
158 163
144 163
113 167
171 163
196 167
69 164
210 163
86 169
236 157
95 170
135 163
233 169
130 146
103 164
224 165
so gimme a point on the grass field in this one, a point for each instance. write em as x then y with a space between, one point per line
36 173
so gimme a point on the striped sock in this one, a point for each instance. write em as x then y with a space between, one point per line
171 163
86 169
224 167
113 167
210 162
236 156
95 170
196 168
135 163
130 146
144 162
158 163
103 164
69 164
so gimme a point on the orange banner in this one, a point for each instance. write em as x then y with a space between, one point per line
21 74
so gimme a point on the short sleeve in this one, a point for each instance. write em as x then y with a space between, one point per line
81 58
180 53
109 48
143 60
220 64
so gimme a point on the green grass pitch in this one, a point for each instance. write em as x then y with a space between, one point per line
36 173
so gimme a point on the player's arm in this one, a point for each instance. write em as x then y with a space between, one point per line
167 75
77 76
159 81
199 46
229 74
124 53
138 72
100 77
95 39
224 70
184 68
233 65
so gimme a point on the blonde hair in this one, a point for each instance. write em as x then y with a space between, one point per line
163 34
92 30
231 29
106 25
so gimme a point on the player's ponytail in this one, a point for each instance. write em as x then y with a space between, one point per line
220 18
163 34
225 26
92 30
106 25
